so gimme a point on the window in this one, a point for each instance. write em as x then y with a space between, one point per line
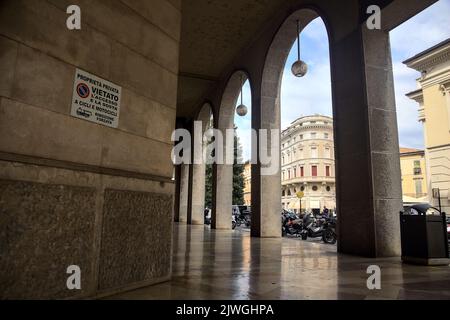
302 171
327 153
301 137
302 189
328 188
315 188
289 174
327 171
314 171
283 193
314 152
313 135
418 187
282 176
295 172
326 135
417 168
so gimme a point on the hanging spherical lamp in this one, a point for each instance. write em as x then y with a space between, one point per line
242 110
299 68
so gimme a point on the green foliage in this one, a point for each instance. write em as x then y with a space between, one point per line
238 178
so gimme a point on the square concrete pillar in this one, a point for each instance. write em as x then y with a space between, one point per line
266 184
223 197
197 206
184 193
369 195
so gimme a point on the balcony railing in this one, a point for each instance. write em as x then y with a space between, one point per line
308 179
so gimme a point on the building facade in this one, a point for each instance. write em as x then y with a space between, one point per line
414 178
433 97
248 184
307 159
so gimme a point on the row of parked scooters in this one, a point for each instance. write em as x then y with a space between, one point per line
309 226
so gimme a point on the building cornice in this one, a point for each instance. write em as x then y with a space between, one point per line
430 57
445 88
299 128
416 95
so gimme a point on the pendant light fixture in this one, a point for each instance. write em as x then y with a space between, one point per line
242 110
299 68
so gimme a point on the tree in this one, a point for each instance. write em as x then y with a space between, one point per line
238 172
238 177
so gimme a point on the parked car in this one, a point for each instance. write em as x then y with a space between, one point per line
448 229
419 209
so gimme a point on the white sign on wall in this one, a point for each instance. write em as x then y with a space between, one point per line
95 99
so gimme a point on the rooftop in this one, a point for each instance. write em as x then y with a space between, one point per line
427 51
410 150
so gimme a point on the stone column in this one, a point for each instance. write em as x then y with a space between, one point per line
184 193
198 194
223 197
369 195
266 196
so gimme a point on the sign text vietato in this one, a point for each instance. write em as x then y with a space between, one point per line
95 99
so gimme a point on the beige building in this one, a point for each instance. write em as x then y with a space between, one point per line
307 159
433 97
248 184
414 179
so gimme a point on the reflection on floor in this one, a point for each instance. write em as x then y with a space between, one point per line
231 265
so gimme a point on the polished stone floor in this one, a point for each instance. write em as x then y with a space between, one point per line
232 265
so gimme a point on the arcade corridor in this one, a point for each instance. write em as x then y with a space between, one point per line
210 264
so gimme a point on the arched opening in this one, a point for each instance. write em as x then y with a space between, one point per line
229 176
307 144
268 219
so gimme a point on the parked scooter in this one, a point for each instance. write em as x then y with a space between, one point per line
291 224
329 231
312 227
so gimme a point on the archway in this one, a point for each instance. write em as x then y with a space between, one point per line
267 220
223 173
307 140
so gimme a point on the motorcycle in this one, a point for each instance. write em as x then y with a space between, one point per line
329 231
242 220
312 227
233 221
291 224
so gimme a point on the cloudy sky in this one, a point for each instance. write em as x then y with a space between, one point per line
312 94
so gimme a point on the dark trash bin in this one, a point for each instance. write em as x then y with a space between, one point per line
424 236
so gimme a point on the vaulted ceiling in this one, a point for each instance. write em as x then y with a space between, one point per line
213 32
